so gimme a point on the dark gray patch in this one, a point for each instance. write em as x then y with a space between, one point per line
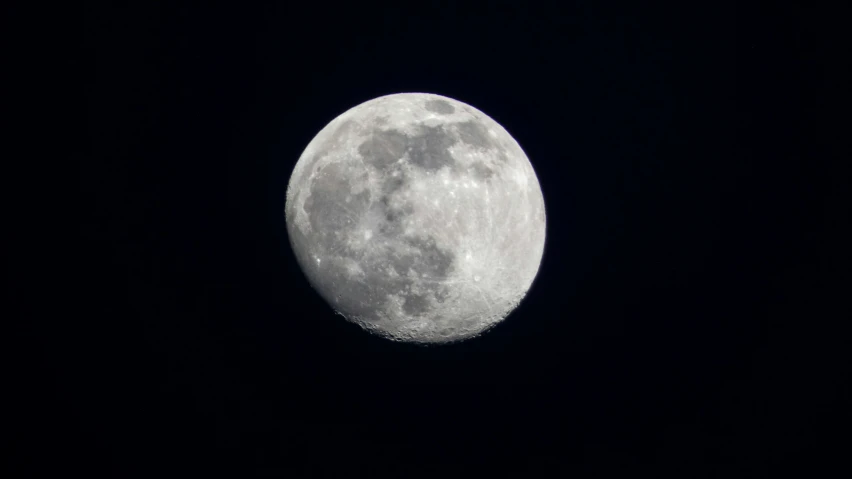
392 183
439 106
432 262
334 140
392 215
480 171
428 260
402 264
442 294
383 148
393 218
415 304
327 207
474 133
363 297
430 149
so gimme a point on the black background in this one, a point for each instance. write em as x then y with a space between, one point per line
685 320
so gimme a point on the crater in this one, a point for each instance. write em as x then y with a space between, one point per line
439 106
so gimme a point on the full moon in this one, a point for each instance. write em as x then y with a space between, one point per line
417 217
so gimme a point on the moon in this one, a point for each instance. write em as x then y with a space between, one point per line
417 217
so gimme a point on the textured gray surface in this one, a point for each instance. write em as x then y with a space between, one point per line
417 217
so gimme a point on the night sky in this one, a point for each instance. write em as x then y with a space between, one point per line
685 322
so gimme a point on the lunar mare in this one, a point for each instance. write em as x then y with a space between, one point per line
417 217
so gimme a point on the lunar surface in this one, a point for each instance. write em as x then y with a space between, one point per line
417 217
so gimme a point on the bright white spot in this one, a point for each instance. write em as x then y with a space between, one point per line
318 260
446 181
453 194
476 278
368 234
520 178
353 269
467 256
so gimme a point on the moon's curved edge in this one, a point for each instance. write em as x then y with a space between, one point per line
413 337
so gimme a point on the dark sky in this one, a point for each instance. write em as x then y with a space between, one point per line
685 321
